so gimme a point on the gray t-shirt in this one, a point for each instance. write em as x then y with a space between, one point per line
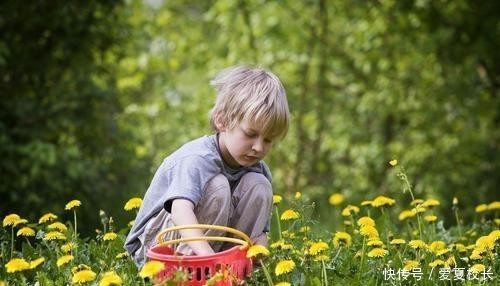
184 174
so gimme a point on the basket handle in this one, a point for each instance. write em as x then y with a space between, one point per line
244 240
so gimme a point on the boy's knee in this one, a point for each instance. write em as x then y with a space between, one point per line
258 184
253 178
218 190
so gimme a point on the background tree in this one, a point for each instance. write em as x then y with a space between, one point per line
99 94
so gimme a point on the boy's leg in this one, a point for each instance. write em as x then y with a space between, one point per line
252 201
148 238
213 208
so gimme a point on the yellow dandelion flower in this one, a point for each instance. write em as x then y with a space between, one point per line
398 241
277 199
318 247
16 265
284 266
109 236
436 263
286 246
368 231
437 246
485 242
131 223
83 276
393 162
289 215
470 246
322 257
67 247
347 222
430 218
336 199
110 278
20 221
416 202
54 235
72 204
347 211
133 203
298 195
442 252
257 249
431 203
151 268
378 252
450 262
64 260
305 229
26 231
366 203
47 217
35 263
497 221
382 201
459 247
406 214
276 244
477 268
374 242
494 235
494 206
283 284
10 220
481 208
418 209
122 255
366 221
411 264
476 254
80 267
57 226
417 244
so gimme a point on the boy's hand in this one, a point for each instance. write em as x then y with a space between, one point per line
183 213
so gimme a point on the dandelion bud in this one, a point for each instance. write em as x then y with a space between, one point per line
455 201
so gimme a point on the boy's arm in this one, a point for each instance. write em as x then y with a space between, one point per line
183 213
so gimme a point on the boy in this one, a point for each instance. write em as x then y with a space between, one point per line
219 179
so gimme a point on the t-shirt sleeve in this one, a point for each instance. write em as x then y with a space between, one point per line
188 177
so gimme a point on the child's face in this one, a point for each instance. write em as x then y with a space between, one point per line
244 145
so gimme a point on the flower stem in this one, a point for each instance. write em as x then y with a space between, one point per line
404 178
362 258
323 274
266 272
278 221
11 242
74 218
458 223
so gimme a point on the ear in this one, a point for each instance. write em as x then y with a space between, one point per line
220 123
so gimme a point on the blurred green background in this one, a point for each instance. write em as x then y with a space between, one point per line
94 94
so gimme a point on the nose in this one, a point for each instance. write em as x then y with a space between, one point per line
258 145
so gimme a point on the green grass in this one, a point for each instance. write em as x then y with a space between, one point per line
358 251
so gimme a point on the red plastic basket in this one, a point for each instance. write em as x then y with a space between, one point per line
231 266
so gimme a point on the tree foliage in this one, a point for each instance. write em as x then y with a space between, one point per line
96 95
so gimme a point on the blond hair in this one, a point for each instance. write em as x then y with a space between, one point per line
253 95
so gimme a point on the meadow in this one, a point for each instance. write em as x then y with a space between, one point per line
373 246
